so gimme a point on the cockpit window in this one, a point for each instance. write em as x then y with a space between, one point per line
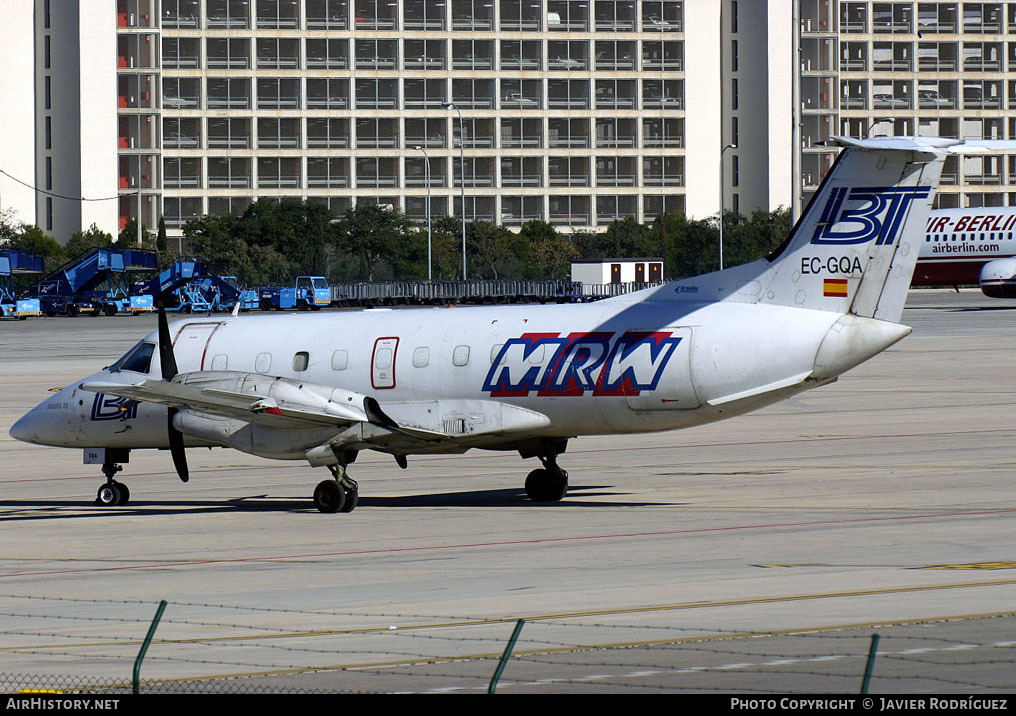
137 360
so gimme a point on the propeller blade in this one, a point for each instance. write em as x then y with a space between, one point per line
176 449
166 357
169 371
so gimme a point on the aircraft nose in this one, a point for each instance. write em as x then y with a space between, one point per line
28 428
51 422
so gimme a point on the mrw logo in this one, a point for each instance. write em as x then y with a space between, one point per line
854 215
551 364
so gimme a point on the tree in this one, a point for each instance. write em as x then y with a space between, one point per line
9 226
494 250
374 234
81 242
446 240
624 238
33 239
550 254
128 236
296 230
161 243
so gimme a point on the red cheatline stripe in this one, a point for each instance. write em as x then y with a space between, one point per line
474 545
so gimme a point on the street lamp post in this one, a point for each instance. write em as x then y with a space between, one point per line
722 151
462 172
874 124
426 159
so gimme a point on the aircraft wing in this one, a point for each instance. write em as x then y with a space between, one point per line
250 407
360 421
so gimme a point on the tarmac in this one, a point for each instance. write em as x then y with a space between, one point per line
754 555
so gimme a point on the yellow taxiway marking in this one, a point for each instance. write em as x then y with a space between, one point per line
587 647
461 623
968 566
974 565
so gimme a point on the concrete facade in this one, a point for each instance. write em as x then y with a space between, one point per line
576 112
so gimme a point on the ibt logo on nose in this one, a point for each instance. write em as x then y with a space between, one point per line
859 215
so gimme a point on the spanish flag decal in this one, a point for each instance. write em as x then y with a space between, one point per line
836 287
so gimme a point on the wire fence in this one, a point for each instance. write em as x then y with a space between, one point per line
83 646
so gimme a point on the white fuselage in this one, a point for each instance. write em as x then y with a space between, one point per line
616 366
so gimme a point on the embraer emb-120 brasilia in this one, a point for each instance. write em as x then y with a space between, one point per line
321 388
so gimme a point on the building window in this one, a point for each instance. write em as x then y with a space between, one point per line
327 14
278 15
279 93
472 15
423 15
328 92
229 93
377 133
520 15
327 133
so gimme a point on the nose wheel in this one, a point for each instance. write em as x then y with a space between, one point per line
112 493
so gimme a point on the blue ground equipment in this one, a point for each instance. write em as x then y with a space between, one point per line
17 263
307 293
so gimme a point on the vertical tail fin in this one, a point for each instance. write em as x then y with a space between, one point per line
855 247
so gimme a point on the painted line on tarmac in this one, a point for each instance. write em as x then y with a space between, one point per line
431 660
578 451
509 543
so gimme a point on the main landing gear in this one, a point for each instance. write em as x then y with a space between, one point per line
339 494
112 493
549 483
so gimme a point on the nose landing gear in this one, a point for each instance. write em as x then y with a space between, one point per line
112 493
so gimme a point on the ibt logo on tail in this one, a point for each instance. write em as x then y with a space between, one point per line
856 215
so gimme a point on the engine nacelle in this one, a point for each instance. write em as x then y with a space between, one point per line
251 438
281 443
998 278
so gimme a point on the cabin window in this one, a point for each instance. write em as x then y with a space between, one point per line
340 360
263 363
300 361
383 358
421 357
495 351
536 357
460 356
219 362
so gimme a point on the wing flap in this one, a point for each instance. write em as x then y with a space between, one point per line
260 409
